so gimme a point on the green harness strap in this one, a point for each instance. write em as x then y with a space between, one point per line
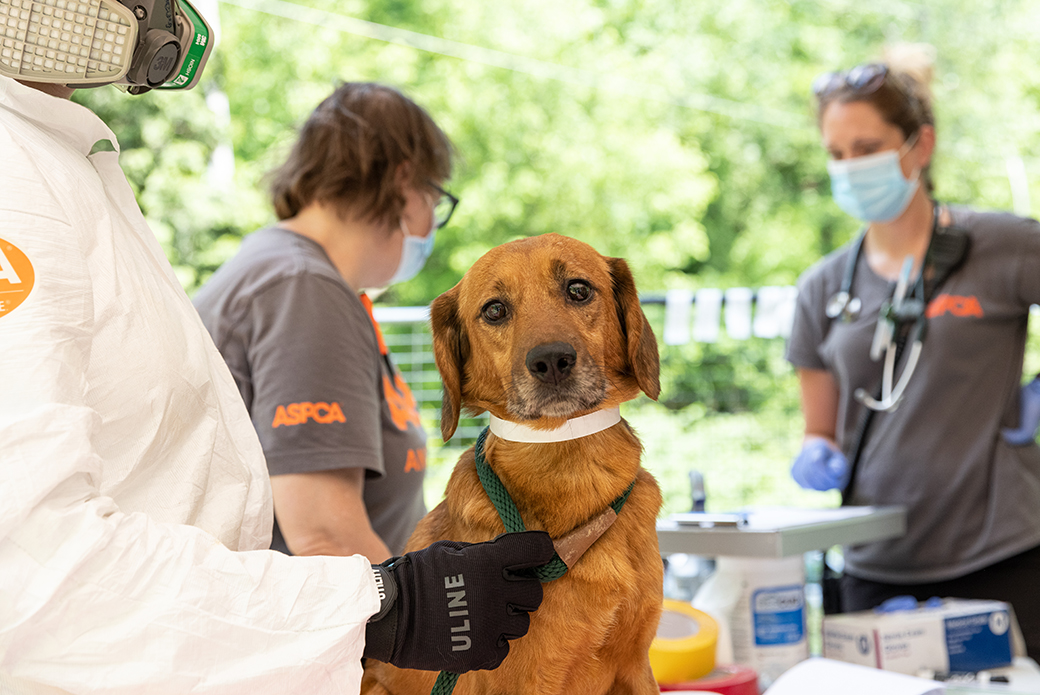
514 523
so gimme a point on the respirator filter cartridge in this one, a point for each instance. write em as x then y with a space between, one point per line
66 41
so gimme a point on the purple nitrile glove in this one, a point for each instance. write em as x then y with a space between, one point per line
1028 416
908 603
820 466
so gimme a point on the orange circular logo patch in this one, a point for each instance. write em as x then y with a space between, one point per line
16 277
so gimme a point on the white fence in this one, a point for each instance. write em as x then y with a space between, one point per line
701 316
689 315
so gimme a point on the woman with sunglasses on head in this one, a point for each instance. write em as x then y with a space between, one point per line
908 344
359 202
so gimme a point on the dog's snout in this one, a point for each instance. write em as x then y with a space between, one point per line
551 362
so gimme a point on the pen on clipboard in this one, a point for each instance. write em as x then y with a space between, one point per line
712 519
982 677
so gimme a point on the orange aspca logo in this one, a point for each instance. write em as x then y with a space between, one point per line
416 460
298 413
16 277
956 305
402 404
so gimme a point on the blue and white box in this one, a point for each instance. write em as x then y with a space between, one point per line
959 635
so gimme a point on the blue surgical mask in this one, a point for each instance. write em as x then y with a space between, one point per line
873 188
414 253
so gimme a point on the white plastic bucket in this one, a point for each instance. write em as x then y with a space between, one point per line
762 602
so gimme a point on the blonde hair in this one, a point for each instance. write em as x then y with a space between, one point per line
915 61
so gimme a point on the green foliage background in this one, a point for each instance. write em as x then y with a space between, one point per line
678 134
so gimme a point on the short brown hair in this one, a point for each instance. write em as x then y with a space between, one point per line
349 150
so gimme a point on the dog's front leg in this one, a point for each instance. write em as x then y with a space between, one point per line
641 683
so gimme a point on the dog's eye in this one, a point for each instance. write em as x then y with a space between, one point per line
494 312
579 291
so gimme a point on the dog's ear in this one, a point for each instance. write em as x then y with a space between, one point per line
635 329
450 347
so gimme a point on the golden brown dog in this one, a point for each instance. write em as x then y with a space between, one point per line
539 331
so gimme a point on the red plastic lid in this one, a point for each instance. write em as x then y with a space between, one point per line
725 680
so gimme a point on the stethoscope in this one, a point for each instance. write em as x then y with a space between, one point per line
843 304
906 305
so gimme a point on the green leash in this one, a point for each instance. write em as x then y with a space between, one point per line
445 684
514 523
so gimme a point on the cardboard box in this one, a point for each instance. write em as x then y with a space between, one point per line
956 636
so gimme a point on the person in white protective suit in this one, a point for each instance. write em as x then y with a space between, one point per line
135 506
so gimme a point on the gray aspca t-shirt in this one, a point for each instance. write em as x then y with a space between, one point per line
310 365
972 499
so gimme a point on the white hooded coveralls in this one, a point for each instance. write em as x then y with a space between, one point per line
135 507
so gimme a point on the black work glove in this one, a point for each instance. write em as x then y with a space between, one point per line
454 606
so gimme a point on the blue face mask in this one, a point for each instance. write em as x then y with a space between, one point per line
872 188
414 253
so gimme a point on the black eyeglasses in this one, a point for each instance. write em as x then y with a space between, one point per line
444 206
862 79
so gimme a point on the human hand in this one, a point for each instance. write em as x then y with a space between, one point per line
458 604
820 466
1028 416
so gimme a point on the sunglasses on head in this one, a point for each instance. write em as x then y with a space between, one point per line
862 79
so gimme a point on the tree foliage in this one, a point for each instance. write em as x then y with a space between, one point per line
678 134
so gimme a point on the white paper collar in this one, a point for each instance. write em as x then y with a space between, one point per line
575 428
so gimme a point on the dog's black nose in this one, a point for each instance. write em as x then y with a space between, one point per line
551 362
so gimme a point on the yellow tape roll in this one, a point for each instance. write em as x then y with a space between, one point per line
684 648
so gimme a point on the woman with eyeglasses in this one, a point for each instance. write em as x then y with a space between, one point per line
359 202
908 344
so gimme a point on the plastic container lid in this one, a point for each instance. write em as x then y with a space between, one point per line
727 679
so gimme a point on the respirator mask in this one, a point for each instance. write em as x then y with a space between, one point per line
136 44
